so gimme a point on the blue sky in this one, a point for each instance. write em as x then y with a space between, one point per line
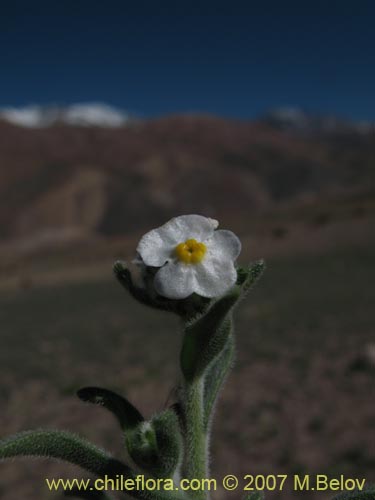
233 58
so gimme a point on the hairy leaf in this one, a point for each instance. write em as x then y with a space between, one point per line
205 338
63 446
156 446
127 415
73 449
215 378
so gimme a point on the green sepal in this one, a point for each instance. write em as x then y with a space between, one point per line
248 277
127 415
255 495
215 377
156 446
140 294
206 337
63 446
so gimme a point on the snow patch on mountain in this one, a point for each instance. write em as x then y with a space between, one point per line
298 120
84 115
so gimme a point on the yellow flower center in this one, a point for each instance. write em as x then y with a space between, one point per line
190 252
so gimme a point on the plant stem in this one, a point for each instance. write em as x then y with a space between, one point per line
196 466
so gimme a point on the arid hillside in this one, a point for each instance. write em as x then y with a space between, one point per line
63 182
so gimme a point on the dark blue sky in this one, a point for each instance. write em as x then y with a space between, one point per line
232 58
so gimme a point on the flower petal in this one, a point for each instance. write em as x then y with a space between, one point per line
214 276
156 246
175 280
225 244
191 226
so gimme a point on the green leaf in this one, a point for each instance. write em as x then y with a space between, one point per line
169 442
255 495
73 449
156 446
215 378
127 415
206 337
63 446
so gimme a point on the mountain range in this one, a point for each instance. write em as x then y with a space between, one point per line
94 114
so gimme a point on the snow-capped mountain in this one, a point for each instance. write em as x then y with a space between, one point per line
298 120
85 115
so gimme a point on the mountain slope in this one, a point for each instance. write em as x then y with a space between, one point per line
114 180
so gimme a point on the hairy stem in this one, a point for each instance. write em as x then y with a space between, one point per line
196 466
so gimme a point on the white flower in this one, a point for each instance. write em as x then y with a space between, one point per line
192 257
